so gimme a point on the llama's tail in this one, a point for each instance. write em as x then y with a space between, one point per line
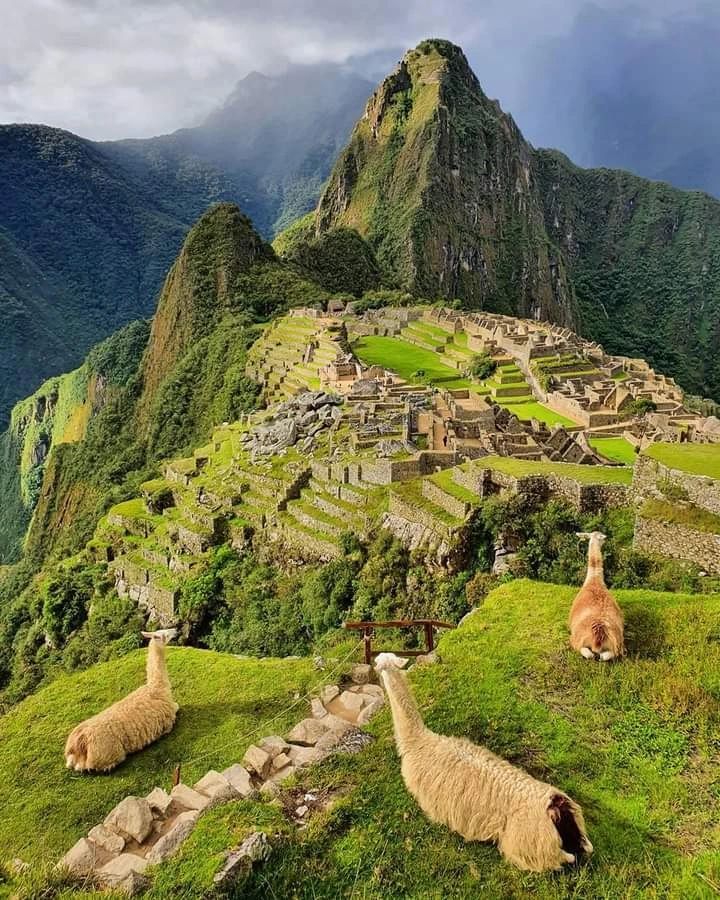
407 720
76 751
599 636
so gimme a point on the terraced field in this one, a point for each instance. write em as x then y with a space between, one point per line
419 358
697 459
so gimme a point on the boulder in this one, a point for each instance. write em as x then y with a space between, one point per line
81 858
371 690
369 711
216 787
189 798
108 840
131 818
239 777
257 760
124 873
280 761
254 849
169 843
274 745
336 724
283 774
318 710
306 756
307 732
329 692
159 800
270 789
350 703
361 673
329 740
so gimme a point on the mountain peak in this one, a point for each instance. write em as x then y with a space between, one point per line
198 290
441 183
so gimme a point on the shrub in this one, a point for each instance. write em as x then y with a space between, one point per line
482 366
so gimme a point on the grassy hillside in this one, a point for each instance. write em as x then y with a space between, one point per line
635 743
222 698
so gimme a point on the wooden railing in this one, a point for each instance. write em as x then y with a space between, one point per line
368 630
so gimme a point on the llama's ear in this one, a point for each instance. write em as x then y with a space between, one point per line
389 661
583 535
148 635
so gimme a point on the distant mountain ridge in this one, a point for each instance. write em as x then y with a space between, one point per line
88 230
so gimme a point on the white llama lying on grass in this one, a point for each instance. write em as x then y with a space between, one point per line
596 621
477 794
103 741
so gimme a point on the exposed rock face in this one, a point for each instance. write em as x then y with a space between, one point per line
443 185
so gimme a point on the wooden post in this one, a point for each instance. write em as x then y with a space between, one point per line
367 638
429 637
176 776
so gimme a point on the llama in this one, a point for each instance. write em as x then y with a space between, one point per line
477 794
596 621
103 741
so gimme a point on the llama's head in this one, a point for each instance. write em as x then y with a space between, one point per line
389 661
164 636
596 536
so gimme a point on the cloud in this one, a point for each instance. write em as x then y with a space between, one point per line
143 67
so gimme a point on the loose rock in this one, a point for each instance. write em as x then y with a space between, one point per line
170 842
131 818
257 760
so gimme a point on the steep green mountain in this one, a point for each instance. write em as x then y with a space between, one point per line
88 230
644 259
455 203
85 438
82 251
442 184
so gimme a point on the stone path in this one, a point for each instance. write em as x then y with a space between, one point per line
143 831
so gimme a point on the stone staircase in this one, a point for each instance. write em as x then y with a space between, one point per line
142 832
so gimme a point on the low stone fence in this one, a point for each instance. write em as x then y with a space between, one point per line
141 832
541 488
679 542
649 475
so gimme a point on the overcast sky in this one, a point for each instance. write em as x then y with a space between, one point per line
108 69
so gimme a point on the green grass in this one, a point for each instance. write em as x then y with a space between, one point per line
682 514
222 698
531 409
697 459
615 448
405 358
583 474
635 743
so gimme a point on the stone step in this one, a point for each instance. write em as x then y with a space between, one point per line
444 499
306 540
315 519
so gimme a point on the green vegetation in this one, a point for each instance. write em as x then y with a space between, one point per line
583 474
634 743
338 260
406 359
681 514
482 366
223 702
615 448
531 409
697 459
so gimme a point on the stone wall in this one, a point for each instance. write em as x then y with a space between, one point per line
679 542
701 490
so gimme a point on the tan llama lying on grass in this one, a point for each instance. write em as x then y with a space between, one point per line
596 621
103 741
477 794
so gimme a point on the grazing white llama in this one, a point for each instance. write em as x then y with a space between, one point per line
477 794
596 621
103 741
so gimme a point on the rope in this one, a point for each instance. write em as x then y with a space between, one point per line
263 725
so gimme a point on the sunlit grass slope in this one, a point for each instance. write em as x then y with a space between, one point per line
45 808
636 743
